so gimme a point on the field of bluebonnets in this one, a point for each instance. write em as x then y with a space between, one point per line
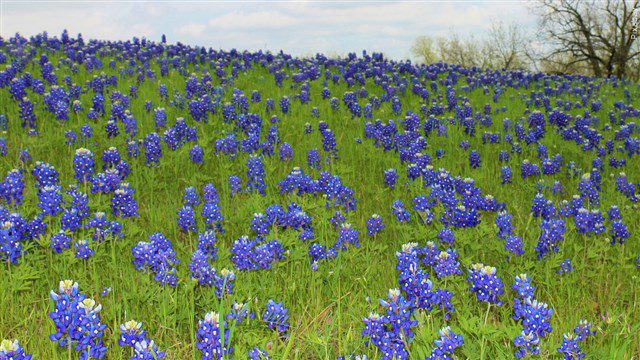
167 201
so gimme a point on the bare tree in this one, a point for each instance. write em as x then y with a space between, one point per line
598 33
507 46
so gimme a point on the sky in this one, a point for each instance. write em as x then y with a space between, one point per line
296 27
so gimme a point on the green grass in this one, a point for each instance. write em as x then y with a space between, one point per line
326 306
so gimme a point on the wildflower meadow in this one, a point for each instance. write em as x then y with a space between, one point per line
166 201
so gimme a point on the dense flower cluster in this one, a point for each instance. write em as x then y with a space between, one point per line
133 335
276 316
157 256
213 337
485 284
77 321
564 135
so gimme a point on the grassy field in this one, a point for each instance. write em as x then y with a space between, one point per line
326 306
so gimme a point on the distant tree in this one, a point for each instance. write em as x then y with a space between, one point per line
595 33
507 46
424 50
465 52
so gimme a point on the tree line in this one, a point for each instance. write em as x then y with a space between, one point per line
588 37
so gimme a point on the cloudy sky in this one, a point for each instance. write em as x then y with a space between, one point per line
297 27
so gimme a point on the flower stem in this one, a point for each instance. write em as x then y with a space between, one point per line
486 317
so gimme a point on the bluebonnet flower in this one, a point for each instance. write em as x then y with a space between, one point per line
235 184
200 268
86 131
588 190
205 274
105 182
153 149
187 219
212 216
207 244
261 224
12 188
258 354
542 207
286 152
503 156
348 236
147 350
249 254
45 174
614 213
552 233
131 332
462 217
106 291
374 224
528 169
83 164
398 315
329 144
157 255
447 263
196 154
277 317
79 201
112 131
446 345
239 312
77 321
503 222
390 332
284 104
523 286
485 284
50 200
446 236
398 209
618 232
210 332
60 242
534 315
474 159
11 350
570 349
390 178
583 330
110 157
337 219
565 267
506 175
36 227
313 159
160 118
83 251
528 343
557 188
27 115
24 156
589 222
255 174
71 137
122 203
